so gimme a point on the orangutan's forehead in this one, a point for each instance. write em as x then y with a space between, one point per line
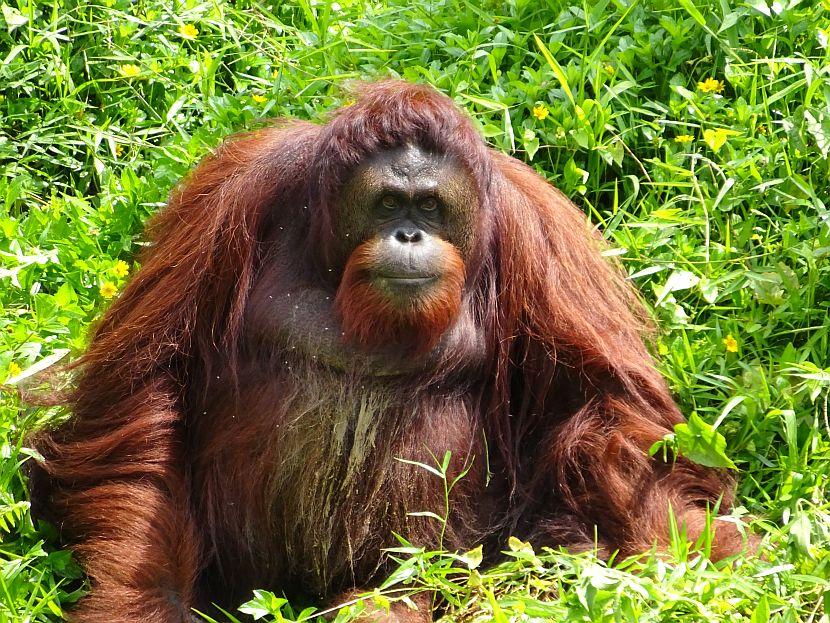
410 165
411 162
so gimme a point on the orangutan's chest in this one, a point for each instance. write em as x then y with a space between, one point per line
356 469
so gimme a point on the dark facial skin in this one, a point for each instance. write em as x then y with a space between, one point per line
407 195
408 201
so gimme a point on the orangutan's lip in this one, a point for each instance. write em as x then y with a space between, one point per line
407 280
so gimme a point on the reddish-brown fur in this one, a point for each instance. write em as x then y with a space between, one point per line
369 319
209 454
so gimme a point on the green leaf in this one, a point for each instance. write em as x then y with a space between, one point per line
717 137
701 443
575 177
801 530
760 6
498 613
263 604
423 466
530 142
678 280
13 17
403 573
761 614
65 296
692 10
708 290
473 557
517 545
557 69
429 514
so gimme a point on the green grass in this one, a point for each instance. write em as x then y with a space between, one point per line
103 106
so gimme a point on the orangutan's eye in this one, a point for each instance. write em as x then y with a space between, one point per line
429 204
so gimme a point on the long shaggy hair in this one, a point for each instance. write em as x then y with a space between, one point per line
202 460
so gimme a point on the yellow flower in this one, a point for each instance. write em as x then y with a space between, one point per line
541 112
14 370
757 237
259 99
119 150
108 290
121 268
684 138
717 138
129 70
762 129
609 69
710 85
188 31
730 343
